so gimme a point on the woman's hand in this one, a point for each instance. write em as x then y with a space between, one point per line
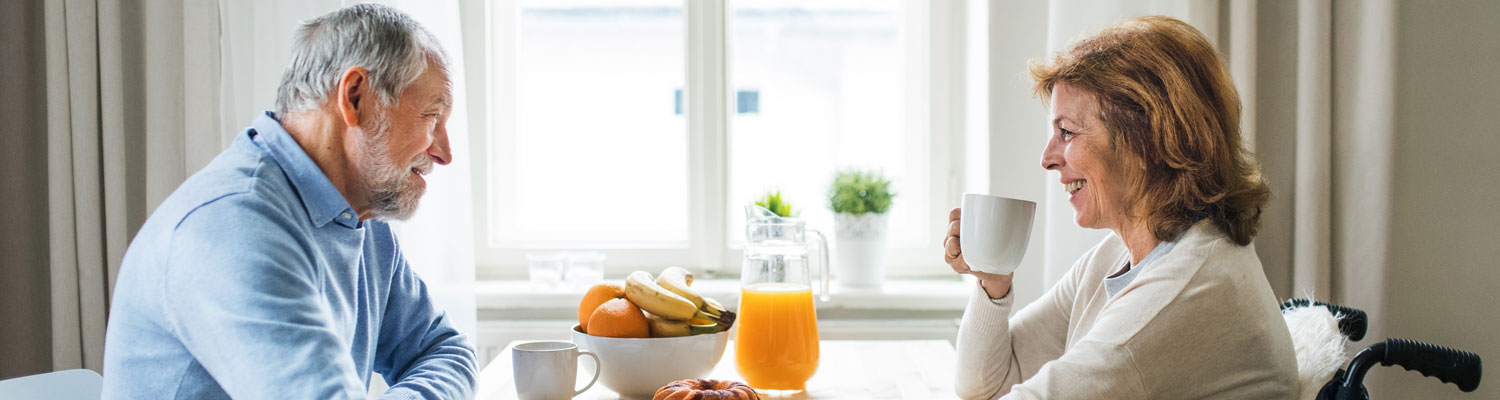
996 286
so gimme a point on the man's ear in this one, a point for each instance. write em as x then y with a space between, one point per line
352 89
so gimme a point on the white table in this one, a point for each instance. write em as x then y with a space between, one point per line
850 369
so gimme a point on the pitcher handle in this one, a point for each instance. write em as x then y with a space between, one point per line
823 267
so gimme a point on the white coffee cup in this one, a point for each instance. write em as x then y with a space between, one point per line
993 232
548 370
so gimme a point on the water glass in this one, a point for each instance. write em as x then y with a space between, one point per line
584 268
545 269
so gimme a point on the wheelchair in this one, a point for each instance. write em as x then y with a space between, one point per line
1454 366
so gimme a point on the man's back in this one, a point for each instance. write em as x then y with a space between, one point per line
255 278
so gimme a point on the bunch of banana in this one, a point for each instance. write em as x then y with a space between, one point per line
649 296
678 280
662 327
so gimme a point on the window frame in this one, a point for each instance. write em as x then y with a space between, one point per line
936 48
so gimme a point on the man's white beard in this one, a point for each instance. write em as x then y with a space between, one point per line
392 193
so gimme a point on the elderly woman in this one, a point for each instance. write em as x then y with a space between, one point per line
1172 305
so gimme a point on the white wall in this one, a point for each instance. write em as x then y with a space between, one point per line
1017 127
1444 266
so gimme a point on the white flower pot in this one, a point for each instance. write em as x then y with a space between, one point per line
859 250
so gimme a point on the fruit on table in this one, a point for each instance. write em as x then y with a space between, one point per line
618 318
595 297
713 307
662 327
642 308
678 280
644 292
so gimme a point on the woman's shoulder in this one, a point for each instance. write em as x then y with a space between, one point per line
1206 248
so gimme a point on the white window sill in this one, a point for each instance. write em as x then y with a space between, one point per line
900 295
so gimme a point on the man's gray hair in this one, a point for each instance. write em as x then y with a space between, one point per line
393 47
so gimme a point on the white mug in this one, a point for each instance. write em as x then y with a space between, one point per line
993 232
548 370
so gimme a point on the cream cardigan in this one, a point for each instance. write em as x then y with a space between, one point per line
1199 322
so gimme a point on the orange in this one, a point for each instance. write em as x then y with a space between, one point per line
596 296
619 318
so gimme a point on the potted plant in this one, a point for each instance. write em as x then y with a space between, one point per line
860 200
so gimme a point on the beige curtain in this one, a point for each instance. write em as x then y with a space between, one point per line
1325 229
23 147
132 107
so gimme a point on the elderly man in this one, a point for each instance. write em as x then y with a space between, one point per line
271 273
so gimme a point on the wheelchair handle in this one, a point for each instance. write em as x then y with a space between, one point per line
1352 322
1454 366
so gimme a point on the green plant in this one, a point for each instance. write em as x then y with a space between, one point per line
860 192
772 201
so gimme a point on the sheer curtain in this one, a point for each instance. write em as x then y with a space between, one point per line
121 135
438 239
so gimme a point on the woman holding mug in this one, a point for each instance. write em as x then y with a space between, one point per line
1174 303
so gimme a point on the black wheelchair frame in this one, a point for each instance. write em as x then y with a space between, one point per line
1449 365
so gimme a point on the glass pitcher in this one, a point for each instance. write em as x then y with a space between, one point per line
777 345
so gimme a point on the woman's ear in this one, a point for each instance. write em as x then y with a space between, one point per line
352 88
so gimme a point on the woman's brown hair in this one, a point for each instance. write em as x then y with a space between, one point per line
1169 104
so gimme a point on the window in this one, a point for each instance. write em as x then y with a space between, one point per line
596 157
641 128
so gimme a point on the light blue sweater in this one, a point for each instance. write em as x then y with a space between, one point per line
255 279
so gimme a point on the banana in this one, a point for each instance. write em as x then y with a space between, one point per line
662 327
649 296
713 306
678 274
678 280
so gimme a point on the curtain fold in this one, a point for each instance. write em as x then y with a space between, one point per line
25 347
78 270
1312 199
117 144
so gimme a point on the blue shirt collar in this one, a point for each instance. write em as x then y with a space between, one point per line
322 201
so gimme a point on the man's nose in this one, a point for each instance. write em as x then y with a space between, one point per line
439 150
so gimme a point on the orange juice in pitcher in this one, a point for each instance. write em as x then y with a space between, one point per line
776 347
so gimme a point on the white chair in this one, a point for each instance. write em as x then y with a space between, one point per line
61 385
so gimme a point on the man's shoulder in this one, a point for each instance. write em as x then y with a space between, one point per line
240 186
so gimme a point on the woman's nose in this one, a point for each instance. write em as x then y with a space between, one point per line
1052 154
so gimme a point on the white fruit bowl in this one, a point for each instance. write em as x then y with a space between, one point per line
635 368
